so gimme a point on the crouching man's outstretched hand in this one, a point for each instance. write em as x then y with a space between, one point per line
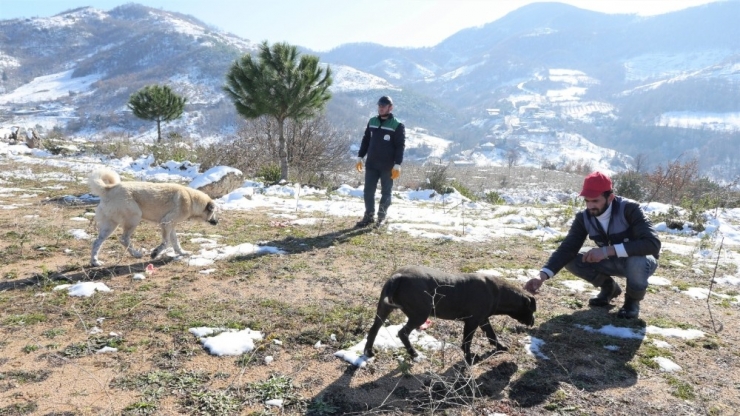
533 285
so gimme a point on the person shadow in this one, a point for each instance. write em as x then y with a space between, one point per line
296 245
577 349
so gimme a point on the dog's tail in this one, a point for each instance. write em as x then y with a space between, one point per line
101 180
389 289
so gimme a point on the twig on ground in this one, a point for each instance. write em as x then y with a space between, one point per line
711 284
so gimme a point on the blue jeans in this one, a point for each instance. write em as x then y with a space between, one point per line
636 269
371 184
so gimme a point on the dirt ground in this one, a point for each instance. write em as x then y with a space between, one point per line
327 284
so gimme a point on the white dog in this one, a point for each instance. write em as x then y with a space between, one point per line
127 203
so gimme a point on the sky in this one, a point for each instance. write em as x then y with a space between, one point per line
321 25
421 213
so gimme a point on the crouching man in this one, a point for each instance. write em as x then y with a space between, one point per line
627 246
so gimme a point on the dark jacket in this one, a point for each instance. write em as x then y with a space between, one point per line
383 143
627 225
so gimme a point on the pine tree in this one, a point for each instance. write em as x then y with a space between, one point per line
279 85
157 103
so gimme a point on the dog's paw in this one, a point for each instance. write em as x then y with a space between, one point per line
137 254
96 263
184 253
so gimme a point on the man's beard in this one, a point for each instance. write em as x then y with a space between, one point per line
596 212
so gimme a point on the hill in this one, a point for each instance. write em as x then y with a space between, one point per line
663 86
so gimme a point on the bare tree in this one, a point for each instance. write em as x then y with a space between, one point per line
512 157
314 148
641 162
671 183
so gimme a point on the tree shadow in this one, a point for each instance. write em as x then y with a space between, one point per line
456 388
395 391
579 357
79 274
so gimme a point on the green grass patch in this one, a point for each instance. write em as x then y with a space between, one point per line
649 351
321 406
681 389
342 319
275 387
662 322
25 376
92 345
140 408
25 319
19 409
53 332
30 348
212 403
573 303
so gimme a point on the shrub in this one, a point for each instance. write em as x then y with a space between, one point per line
464 190
269 173
549 165
436 178
174 148
629 185
118 147
493 198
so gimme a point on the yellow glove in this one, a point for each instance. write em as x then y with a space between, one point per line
358 166
396 172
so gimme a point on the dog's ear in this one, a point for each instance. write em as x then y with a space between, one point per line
211 206
532 304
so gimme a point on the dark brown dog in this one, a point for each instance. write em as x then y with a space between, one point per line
421 292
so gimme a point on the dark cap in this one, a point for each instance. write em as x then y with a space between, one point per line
596 184
385 100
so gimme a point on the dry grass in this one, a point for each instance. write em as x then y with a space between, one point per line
327 284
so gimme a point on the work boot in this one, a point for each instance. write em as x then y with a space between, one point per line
630 309
380 221
609 290
365 221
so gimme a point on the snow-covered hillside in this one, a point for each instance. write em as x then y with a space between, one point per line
484 92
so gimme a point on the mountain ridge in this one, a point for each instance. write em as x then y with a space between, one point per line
494 83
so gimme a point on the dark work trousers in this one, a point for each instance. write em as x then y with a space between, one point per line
637 270
371 184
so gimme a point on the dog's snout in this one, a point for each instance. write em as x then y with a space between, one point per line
213 221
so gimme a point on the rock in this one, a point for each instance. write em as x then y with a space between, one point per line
33 141
218 181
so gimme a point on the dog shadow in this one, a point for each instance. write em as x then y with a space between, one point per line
84 274
395 391
570 354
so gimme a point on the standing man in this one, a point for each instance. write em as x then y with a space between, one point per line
383 143
627 246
